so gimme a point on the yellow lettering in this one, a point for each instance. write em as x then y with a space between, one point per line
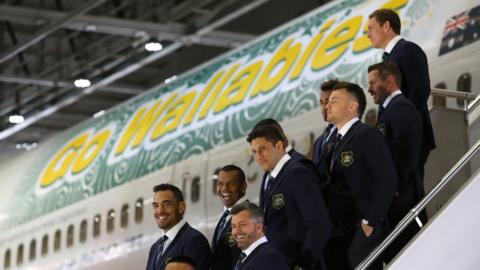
211 99
238 88
90 151
336 43
285 56
172 118
58 166
297 70
140 124
200 99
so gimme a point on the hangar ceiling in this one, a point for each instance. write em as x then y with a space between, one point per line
46 45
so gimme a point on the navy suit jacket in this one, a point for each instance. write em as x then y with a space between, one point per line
402 128
363 179
225 251
307 163
296 219
320 155
188 242
413 64
265 257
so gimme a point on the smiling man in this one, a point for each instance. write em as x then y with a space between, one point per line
296 220
178 238
231 187
247 229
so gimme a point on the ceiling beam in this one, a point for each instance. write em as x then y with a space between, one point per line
129 69
125 89
121 27
45 31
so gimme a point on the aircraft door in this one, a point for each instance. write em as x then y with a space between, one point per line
189 176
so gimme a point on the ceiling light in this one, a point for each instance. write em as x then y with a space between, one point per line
82 83
171 79
98 114
153 46
16 119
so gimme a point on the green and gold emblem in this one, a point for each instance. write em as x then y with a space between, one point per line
382 129
278 201
346 158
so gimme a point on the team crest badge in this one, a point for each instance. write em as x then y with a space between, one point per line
230 240
347 158
382 129
278 201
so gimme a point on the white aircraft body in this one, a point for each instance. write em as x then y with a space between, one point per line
82 200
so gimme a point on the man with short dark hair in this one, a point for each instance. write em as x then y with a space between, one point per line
231 187
288 148
362 180
178 237
323 146
180 263
247 229
399 122
384 28
296 220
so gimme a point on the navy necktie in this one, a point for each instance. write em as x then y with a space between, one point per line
221 226
240 260
385 56
160 246
338 138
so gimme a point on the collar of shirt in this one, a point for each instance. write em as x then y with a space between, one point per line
331 129
254 245
288 148
230 209
172 233
392 44
389 98
279 165
347 126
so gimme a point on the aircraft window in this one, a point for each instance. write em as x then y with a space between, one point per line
439 101
464 84
57 241
6 262
215 180
83 231
195 190
110 220
139 210
124 216
70 235
97 220
20 255
45 245
33 250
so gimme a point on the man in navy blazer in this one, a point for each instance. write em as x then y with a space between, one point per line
322 147
384 32
231 187
247 229
363 181
399 122
178 238
296 220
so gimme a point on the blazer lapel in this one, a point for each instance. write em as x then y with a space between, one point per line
277 182
252 255
177 238
344 142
